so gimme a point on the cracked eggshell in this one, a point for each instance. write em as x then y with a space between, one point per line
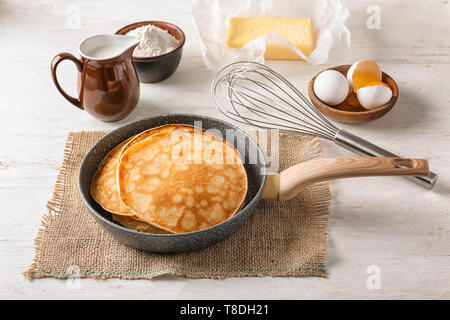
350 74
373 96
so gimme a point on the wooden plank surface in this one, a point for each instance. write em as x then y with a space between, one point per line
389 223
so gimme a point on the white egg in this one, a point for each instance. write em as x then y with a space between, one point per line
371 97
350 74
331 87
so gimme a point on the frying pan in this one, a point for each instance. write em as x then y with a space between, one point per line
281 186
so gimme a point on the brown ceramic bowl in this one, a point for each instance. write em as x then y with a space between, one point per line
158 68
347 113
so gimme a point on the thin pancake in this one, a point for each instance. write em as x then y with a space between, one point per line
104 190
138 138
133 223
104 184
182 180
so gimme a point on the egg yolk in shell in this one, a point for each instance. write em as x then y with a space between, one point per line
365 73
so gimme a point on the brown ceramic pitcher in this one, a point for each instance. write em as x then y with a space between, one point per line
108 86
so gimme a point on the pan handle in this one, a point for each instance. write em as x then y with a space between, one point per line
295 178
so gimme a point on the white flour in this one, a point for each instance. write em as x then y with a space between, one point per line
153 41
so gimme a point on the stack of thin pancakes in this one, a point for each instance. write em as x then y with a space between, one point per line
171 179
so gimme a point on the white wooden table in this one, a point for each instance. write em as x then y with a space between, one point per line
390 223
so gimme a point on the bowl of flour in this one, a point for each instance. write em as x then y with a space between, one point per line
159 51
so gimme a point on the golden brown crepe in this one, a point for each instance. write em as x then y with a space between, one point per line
104 184
104 189
138 138
182 179
133 223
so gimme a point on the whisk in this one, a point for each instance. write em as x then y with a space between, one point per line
253 94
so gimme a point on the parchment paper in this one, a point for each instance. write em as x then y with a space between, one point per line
211 21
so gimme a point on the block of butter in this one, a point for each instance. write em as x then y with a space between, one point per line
298 31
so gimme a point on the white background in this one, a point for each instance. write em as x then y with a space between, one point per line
388 222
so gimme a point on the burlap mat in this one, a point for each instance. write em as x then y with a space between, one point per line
280 239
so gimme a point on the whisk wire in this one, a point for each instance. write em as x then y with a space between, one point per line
311 110
257 109
306 112
253 94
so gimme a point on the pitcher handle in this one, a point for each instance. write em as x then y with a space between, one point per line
56 60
